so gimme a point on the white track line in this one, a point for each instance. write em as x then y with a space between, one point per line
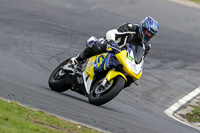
170 111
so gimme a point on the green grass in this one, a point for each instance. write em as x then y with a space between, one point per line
195 115
15 118
197 1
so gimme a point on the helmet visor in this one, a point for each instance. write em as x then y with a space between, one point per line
147 34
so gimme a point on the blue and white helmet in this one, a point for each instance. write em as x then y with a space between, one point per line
148 28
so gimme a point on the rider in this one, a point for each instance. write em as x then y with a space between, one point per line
134 34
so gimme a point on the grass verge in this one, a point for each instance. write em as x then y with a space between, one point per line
194 116
197 1
15 118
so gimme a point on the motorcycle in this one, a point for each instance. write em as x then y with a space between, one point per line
96 81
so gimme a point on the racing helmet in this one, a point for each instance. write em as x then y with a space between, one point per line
148 28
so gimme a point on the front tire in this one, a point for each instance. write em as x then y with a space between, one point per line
56 83
111 93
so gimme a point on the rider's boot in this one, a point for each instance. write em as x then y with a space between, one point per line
88 52
77 59
73 63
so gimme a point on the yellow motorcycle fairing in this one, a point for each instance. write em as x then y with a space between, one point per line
98 60
122 57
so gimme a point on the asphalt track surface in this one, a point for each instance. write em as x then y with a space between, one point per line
37 35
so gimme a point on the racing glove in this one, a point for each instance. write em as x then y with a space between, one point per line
113 47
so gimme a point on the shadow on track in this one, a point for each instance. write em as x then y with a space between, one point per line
68 95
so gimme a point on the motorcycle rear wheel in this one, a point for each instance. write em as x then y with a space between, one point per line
108 95
56 83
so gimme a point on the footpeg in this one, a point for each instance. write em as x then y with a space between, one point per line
136 82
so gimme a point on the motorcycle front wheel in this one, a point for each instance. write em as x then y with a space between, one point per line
57 79
100 96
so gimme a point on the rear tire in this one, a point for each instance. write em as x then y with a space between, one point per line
111 93
59 85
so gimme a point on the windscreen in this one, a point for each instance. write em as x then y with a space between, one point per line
138 52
